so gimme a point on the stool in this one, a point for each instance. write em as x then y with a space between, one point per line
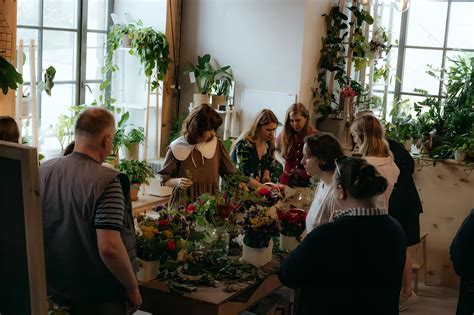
420 264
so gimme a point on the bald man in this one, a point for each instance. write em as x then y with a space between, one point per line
88 226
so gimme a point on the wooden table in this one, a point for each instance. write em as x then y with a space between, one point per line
157 298
147 202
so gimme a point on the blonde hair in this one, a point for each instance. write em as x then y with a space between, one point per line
372 135
288 133
265 116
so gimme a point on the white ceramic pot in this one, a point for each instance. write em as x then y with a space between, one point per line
131 151
199 99
257 256
148 270
459 155
288 243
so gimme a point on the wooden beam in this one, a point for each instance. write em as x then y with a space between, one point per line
8 9
170 85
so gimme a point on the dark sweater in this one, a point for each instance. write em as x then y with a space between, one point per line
462 249
353 265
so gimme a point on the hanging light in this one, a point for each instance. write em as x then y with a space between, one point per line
402 5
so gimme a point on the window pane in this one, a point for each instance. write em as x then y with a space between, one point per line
461 25
426 23
95 56
414 73
27 35
97 15
93 93
59 50
28 12
61 98
390 20
60 13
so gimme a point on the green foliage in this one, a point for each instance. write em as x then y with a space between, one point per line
205 76
64 129
177 125
137 171
9 77
49 75
119 133
223 81
134 136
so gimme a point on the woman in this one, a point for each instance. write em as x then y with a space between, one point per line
320 152
369 136
254 149
194 161
9 129
354 264
290 146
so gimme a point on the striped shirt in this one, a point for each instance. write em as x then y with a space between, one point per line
110 208
358 212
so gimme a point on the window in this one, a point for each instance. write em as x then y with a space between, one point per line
429 32
69 35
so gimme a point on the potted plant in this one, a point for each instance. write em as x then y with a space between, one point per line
138 172
221 86
204 75
47 85
132 141
258 229
9 77
292 223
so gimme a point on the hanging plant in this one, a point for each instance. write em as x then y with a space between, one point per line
361 49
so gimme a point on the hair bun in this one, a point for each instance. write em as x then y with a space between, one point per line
368 182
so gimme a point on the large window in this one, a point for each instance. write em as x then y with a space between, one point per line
70 36
429 33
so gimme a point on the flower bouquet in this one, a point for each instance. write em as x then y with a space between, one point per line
258 229
292 223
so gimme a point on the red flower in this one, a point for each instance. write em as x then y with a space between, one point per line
191 208
264 191
347 91
163 222
170 245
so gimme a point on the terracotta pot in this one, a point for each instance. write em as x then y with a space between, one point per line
288 243
134 189
257 256
148 270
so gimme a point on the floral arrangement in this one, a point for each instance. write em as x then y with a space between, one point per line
165 236
271 194
217 210
292 222
258 227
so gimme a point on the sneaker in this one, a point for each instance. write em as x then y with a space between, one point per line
407 301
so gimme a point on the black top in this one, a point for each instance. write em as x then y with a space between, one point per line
462 249
353 265
404 199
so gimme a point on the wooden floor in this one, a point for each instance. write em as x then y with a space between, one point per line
431 301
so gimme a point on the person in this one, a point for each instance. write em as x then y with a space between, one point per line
320 151
194 161
405 206
289 144
253 151
462 256
354 264
9 129
369 135
89 238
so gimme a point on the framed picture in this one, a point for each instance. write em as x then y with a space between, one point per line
22 269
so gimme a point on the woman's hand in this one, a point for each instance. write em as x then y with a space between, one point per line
266 177
185 182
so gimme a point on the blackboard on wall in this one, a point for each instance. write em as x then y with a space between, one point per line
22 272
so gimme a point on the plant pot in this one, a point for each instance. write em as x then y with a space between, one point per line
407 144
288 243
131 151
459 155
126 41
134 189
148 270
26 106
257 256
199 99
217 100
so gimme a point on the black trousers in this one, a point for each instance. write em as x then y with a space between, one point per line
466 298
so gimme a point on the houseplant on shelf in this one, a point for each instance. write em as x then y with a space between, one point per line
221 86
204 75
132 141
138 172
292 223
258 229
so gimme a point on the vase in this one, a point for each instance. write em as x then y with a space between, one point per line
288 243
257 256
219 241
148 270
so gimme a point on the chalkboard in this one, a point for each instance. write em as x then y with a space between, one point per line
254 101
22 272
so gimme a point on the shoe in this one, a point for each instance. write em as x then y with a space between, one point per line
407 301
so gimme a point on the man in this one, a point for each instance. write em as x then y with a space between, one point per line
88 226
462 256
